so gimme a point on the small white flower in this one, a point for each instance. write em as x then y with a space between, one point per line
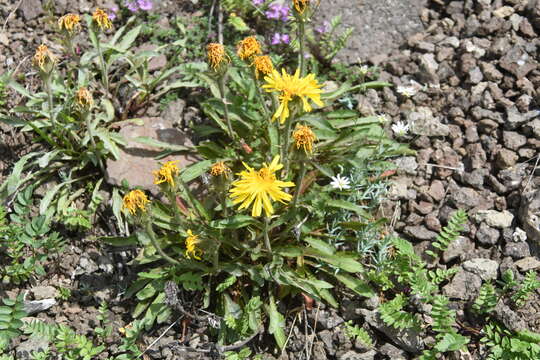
364 69
340 183
400 128
407 91
383 119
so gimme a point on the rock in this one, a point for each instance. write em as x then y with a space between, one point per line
464 286
519 235
506 158
475 75
86 266
513 177
533 127
490 71
33 344
476 156
326 338
475 178
504 11
392 352
464 198
496 219
458 249
528 263
516 119
351 355
419 232
485 268
517 62
422 122
173 112
511 320
517 250
137 162
428 69
399 189
407 164
319 352
513 140
487 235
436 190
407 339
31 9
386 23
156 62
43 292
529 217
35 306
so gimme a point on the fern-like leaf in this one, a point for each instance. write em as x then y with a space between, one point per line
450 232
392 314
487 299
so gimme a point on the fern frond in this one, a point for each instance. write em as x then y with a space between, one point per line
528 286
356 332
450 232
392 314
487 299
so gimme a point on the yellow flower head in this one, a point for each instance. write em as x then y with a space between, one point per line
220 168
102 20
290 86
304 137
133 200
248 47
191 246
260 187
301 5
216 55
166 173
263 64
84 98
43 58
69 23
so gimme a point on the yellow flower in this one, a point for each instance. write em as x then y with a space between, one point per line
102 19
304 137
166 173
290 86
133 200
262 64
191 246
84 98
69 22
248 47
301 5
43 57
259 187
220 168
216 55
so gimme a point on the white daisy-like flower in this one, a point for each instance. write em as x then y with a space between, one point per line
400 128
407 91
339 182
364 69
383 119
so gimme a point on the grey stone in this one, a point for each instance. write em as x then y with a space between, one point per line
528 263
511 320
137 162
519 235
487 235
513 177
43 292
31 9
399 189
485 268
529 217
533 127
351 355
464 285
156 62
436 190
458 249
513 140
490 71
475 76
506 158
86 266
34 343
326 338
517 250
517 62
422 122
392 352
475 178
465 198
173 112
514 118
428 68
419 232
407 339
407 164
494 218
387 23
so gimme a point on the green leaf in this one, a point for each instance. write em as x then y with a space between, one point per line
129 38
360 287
160 144
347 205
194 171
321 245
277 323
120 240
233 222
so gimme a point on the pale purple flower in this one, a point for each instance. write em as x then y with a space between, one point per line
258 2
280 39
278 11
145 5
324 28
132 5
112 13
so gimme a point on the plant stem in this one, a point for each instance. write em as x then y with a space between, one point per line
172 199
260 94
48 83
153 239
285 148
299 184
221 82
104 75
301 42
266 238
191 199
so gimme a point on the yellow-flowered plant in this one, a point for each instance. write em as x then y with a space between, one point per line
304 138
248 47
70 23
101 19
166 173
259 188
43 58
84 98
135 201
216 55
192 251
220 168
262 64
291 87
301 5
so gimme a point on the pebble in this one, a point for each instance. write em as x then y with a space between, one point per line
496 219
485 268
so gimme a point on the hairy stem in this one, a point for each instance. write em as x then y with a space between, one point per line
299 183
266 237
153 239
86 117
301 42
104 75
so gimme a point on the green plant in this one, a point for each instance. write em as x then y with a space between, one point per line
487 299
529 285
355 332
392 314
11 314
64 293
450 232
243 354
103 330
504 344
26 241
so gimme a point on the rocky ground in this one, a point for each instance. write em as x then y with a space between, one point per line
468 84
